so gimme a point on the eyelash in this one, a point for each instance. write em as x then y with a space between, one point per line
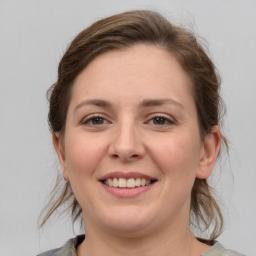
90 119
168 121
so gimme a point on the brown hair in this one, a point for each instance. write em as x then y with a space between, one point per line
122 31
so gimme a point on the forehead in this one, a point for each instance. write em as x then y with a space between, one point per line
133 74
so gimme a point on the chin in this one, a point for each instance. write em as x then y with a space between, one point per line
130 230
128 223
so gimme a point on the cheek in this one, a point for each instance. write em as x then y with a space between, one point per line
83 155
177 156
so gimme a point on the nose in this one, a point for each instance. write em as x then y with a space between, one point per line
126 143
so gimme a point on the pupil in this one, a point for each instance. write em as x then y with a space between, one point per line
159 120
97 120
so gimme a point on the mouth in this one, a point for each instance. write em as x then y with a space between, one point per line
128 182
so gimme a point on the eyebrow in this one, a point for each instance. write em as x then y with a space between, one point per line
145 103
159 102
95 102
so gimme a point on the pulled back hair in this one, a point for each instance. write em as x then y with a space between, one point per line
122 31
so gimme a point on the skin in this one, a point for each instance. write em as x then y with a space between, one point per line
160 140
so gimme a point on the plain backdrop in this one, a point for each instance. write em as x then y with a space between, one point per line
33 37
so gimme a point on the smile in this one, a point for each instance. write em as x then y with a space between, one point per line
127 183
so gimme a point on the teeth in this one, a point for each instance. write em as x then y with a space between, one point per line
130 183
137 182
110 182
127 183
122 183
115 182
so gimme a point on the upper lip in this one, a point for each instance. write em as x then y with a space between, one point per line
126 175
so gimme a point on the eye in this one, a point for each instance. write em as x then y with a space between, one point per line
160 120
94 120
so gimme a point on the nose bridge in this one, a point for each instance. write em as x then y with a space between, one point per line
127 142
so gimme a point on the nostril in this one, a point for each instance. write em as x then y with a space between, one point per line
124 157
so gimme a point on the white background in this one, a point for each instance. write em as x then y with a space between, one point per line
33 37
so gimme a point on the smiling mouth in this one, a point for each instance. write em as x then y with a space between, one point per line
127 183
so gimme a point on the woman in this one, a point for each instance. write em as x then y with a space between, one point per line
135 117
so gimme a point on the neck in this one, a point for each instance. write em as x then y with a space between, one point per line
164 241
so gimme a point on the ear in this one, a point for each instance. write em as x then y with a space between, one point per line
59 148
210 151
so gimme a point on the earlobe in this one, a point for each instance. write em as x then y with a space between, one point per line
59 148
210 152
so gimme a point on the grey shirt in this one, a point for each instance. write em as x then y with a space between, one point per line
69 249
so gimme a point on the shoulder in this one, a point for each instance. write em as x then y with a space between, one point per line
218 250
69 249
50 253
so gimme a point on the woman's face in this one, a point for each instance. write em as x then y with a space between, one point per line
132 147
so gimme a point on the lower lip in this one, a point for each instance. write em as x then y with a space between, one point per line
127 192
